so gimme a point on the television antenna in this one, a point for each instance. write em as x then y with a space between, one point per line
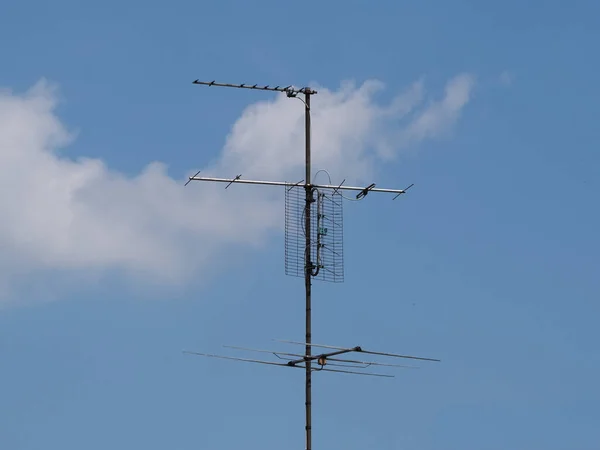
313 229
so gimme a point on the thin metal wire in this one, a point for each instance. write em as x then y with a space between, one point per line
340 187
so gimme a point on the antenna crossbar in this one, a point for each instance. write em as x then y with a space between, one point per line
290 184
289 90
359 349
322 361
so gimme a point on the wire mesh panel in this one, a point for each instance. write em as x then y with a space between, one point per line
294 231
327 234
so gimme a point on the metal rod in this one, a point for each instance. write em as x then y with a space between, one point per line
355 188
289 184
359 349
229 180
308 275
290 90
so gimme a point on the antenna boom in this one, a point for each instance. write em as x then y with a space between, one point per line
290 184
288 89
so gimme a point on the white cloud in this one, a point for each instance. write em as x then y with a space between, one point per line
62 216
440 116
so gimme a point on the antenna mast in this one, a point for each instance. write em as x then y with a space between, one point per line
308 271
311 266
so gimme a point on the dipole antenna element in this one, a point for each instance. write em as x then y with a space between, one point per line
314 249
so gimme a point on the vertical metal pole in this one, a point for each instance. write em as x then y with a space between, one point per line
308 276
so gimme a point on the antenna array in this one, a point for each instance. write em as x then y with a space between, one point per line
327 234
313 249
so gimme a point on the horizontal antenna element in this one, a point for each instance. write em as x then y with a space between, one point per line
299 361
336 187
360 350
289 90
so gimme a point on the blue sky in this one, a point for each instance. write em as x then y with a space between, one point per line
110 267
